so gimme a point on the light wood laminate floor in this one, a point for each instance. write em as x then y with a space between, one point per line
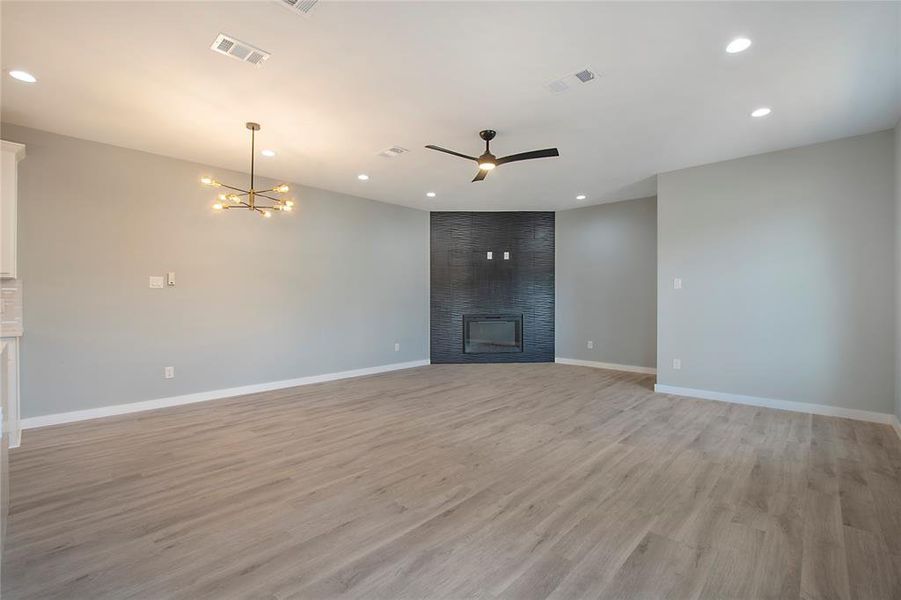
458 481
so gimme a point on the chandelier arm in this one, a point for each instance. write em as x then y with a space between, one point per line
279 200
243 192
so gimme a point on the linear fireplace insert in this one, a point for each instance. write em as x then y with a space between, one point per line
492 333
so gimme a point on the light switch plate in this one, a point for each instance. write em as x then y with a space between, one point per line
677 283
677 363
156 282
590 344
169 372
170 279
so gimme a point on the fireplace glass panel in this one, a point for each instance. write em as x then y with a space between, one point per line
492 334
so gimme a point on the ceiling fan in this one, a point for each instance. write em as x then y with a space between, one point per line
488 161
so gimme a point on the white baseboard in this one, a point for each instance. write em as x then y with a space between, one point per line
131 407
897 425
802 407
603 365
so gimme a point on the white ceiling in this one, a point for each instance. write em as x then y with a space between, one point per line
354 78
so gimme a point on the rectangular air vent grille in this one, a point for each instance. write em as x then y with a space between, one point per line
393 151
558 86
299 6
584 75
239 50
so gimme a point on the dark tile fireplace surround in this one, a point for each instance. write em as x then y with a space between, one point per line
496 307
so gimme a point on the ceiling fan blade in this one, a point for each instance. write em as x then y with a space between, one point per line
546 153
480 175
446 151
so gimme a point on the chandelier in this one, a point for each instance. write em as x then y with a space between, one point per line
250 199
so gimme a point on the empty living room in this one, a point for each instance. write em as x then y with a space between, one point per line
439 299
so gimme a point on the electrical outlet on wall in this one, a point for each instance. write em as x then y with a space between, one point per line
169 372
397 346
590 344
677 363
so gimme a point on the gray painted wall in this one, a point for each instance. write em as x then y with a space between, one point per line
329 287
898 266
607 282
787 262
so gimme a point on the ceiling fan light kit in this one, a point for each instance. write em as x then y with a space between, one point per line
488 161
250 199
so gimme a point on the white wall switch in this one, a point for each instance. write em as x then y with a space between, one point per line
506 256
170 279
590 344
396 347
490 255
156 282
677 283
169 372
677 363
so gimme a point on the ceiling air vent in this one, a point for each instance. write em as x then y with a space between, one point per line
302 7
239 50
393 151
585 75
558 86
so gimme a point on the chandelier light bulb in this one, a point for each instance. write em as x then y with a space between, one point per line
267 214
206 180
217 206
289 202
288 208
282 189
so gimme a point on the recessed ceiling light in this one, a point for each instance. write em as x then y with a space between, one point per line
581 197
761 112
23 76
362 176
738 45
431 194
269 153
